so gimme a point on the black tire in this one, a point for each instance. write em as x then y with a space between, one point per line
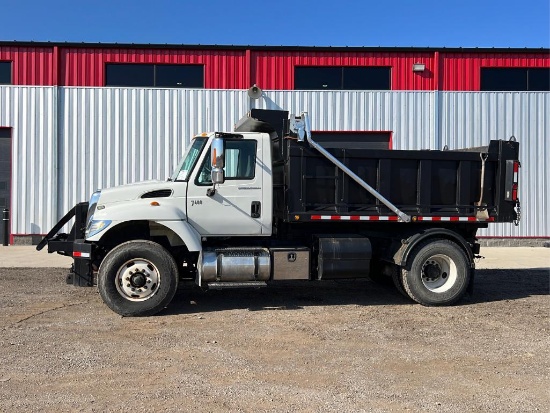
396 278
438 273
138 278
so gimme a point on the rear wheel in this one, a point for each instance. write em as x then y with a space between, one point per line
138 278
438 273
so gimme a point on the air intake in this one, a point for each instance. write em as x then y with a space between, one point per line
160 193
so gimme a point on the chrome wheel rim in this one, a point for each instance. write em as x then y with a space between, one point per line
137 280
439 273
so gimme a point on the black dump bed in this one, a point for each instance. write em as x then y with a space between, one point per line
425 184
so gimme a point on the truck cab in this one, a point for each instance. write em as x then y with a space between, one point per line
189 203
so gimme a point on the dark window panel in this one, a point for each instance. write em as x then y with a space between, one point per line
180 76
367 78
318 78
498 79
539 79
130 75
5 73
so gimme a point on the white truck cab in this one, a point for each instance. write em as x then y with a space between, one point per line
190 204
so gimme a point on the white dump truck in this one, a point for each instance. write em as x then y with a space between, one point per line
269 202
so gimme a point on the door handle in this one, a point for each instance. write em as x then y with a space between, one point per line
256 209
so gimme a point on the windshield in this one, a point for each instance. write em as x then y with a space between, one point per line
184 168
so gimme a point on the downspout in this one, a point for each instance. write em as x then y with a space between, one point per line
437 103
56 137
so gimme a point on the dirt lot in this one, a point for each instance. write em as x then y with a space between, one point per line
337 347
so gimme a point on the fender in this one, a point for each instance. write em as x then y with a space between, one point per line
401 256
167 214
188 235
186 232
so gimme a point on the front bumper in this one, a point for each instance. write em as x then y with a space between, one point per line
73 245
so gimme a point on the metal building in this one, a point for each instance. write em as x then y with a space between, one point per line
77 117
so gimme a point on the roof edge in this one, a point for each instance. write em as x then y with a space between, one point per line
88 45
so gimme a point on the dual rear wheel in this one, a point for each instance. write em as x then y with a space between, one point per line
437 273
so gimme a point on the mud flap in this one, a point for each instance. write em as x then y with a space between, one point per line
81 274
470 288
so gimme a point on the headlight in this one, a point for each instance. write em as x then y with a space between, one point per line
91 206
95 227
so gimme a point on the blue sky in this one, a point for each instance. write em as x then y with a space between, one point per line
465 23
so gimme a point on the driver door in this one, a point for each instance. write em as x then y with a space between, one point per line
235 208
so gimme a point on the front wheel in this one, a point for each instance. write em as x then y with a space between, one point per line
138 278
438 273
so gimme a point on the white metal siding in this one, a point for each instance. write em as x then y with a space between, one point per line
30 112
473 118
112 136
406 114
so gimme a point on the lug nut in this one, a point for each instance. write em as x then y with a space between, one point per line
127 285
148 281
133 289
127 278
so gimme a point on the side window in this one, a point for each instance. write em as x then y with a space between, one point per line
5 73
154 75
240 162
515 79
342 78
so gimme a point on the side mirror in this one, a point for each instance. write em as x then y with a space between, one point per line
218 161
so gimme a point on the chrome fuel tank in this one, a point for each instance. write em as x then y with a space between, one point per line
236 264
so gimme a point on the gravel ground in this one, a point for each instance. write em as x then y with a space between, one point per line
329 347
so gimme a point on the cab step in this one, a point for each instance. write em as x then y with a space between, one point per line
230 284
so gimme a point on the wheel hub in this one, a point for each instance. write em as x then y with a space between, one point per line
137 280
439 273
432 271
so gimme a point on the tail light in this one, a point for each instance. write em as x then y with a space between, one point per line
512 179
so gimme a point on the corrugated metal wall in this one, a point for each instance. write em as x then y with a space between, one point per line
275 70
462 71
30 112
31 65
471 119
406 114
223 69
112 136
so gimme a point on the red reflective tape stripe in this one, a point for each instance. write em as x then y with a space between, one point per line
77 254
394 218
